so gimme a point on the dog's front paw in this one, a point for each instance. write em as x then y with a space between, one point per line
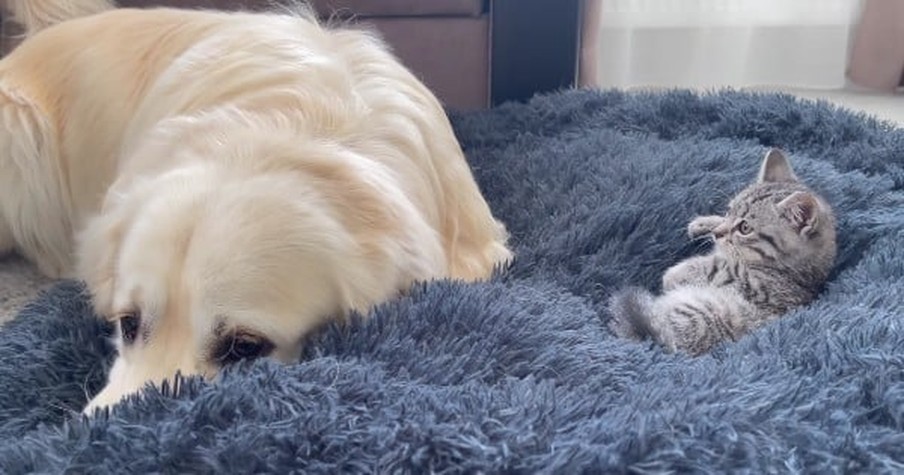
703 225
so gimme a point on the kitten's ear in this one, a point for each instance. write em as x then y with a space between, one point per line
802 210
775 167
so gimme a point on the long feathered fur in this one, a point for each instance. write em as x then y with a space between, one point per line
213 175
36 15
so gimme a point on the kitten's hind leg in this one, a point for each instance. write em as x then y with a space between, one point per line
631 312
695 319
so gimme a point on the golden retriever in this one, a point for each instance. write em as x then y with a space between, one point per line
226 181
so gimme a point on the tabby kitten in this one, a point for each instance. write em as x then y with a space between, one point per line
773 251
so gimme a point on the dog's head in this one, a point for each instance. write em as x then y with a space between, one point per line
198 269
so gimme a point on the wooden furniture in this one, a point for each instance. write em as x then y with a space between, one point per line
471 53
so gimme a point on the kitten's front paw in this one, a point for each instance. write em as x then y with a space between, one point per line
673 278
688 272
703 225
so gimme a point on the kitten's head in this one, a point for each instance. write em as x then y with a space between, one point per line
779 222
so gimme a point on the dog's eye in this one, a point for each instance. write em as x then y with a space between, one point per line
129 324
243 346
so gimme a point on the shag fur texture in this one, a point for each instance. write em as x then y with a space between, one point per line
520 374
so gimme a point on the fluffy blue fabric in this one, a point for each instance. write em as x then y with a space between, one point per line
521 374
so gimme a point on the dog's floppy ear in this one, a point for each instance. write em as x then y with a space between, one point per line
98 248
97 251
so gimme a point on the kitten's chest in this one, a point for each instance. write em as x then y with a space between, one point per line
768 290
750 283
724 272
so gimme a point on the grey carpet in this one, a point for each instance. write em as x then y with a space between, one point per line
520 375
20 282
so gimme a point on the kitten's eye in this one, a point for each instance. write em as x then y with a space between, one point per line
243 346
744 228
129 324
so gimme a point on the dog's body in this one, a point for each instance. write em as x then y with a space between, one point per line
232 178
33 16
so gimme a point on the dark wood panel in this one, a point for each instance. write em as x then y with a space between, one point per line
535 47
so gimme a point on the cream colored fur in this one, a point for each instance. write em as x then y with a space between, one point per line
36 15
221 172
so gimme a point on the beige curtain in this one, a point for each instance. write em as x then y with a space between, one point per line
718 43
877 52
591 12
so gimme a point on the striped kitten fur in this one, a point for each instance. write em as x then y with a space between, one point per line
773 251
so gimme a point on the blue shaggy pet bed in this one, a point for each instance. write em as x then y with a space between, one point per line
521 374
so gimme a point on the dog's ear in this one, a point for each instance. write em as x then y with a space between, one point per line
97 251
98 248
